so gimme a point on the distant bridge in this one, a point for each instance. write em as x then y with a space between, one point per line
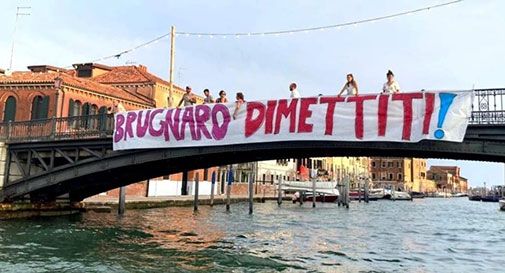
47 158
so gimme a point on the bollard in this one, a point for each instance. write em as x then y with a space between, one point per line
228 189
195 201
122 201
250 178
314 192
279 191
212 186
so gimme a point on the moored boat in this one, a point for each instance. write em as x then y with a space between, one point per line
502 204
416 194
474 197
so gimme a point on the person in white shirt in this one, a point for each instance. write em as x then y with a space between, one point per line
391 86
294 91
350 87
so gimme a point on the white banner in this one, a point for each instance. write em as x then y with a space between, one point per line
401 117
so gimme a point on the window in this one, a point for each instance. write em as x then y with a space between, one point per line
390 164
398 164
40 107
373 164
10 109
383 164
390 176
373 176
399 176
85 112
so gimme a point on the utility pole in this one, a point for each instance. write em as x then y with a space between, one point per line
172 61
19 12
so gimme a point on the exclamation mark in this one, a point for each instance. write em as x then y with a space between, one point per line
445 102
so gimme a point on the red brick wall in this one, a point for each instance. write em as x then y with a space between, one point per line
24 99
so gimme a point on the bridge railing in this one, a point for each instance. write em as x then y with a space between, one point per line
77 127
488 108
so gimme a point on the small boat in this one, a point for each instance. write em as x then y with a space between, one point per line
459 194
502 204
490 198
320 198
474 197
416 194
400 195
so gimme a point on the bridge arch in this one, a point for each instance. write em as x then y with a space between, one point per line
112 169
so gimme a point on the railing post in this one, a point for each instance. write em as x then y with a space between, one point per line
53 128
9 130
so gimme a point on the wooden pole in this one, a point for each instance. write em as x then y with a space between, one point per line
172 62
251 192
228 190
122 201
279 191
195 201
313 192
367 191
212 186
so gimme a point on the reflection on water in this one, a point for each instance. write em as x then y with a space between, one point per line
431 235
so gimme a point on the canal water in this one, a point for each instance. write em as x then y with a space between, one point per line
426 235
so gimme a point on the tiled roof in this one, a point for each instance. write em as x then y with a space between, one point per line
49 78
129 74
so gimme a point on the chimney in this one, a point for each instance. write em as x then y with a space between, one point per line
45 68
143 68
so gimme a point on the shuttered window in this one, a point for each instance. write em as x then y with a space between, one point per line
40 107
10 109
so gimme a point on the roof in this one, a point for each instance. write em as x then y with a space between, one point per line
28 77
129 74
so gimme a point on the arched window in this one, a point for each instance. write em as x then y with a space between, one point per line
40 107
93 117
10 109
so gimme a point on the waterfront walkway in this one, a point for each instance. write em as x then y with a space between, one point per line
140 202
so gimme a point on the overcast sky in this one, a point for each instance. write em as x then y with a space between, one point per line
452 48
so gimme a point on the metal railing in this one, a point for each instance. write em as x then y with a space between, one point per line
488 108
78 127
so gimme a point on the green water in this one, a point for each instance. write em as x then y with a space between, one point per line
429 235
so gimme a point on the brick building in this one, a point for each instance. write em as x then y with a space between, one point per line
406 174
46 91
448 179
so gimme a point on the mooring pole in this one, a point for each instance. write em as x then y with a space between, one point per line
347 181
195 201
228 189
313 192
279 191
212 186
367 191
250 178
359 191
122 201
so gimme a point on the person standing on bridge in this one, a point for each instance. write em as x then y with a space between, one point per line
294 92
222 97
391 86
350 87
238 103
208 97
188 98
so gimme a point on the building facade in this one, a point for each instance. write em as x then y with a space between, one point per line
448 179
405 174
88 89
